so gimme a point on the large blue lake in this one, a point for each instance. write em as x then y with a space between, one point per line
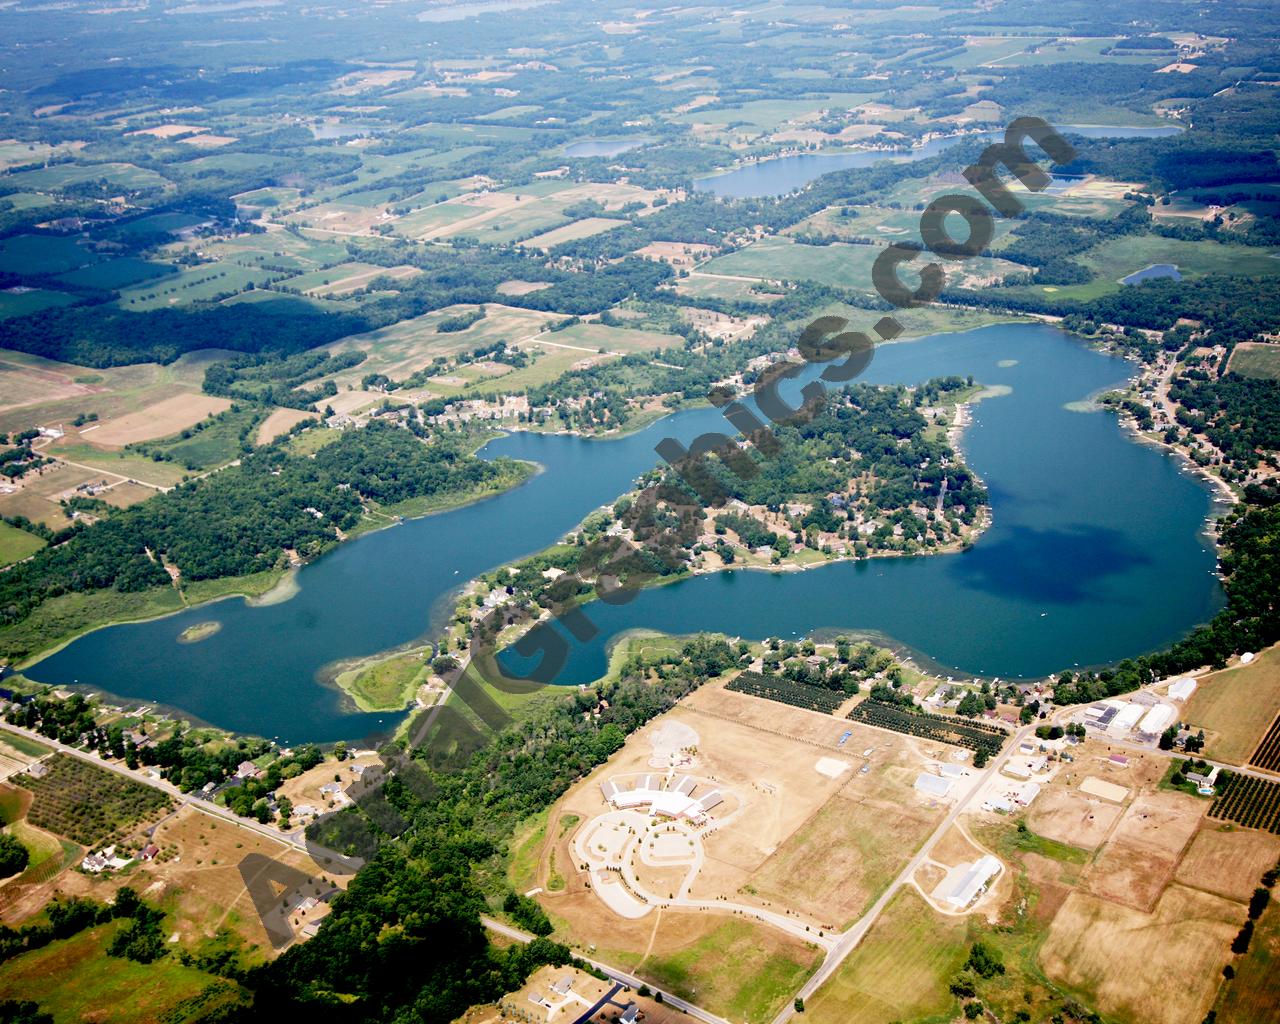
1096 553
784 174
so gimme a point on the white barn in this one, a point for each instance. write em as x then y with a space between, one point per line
973 881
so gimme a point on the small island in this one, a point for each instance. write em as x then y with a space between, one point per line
200 631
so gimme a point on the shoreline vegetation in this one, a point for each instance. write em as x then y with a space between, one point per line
62 619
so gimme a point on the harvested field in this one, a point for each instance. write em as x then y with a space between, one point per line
678 254
584 228
30 380
1235 707
1228 863
1099 948
279 422
159 420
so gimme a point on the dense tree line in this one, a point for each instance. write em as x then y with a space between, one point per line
240 520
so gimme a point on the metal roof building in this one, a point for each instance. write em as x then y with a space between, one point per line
973 881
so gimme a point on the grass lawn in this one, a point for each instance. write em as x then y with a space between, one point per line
1235 707
75 980
1253 359
900 971
385 685
16 544
738 971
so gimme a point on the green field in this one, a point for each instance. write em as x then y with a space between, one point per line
733 972
42 254
837 265
766 115
1257 360
900 971
216 444
196 284
115 274
124 463
16 544
75 980
118 175
24 303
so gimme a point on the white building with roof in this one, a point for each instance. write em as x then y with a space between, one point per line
973 882
1126 718
1182 689
932 785
1156 721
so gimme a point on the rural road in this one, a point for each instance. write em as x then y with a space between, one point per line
668 999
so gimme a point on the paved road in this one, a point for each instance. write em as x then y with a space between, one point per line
697 1012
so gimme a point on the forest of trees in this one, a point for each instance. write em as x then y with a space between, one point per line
240 520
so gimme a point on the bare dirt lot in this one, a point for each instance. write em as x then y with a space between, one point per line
1140 857
1069 816
165 417
279 422
197 869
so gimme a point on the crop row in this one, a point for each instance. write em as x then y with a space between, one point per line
938 728
1253 803
784 691
1267 755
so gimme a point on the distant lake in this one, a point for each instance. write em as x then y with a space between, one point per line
606 147
1151 273
459 12
1096 553
783 174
